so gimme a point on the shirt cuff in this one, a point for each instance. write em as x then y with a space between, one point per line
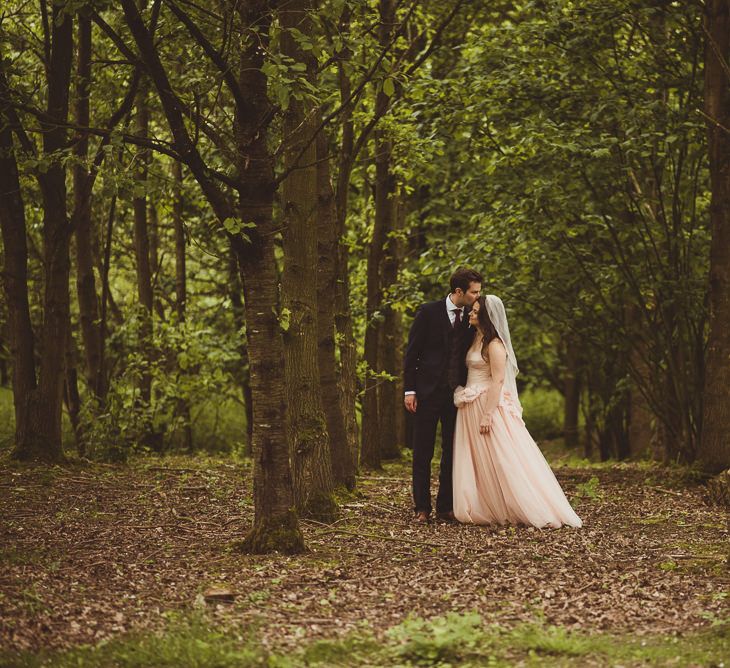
409 392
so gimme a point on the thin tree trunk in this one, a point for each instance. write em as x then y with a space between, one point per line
71 395
371 449
571 384
181 290
308 436
155 267
388 404
85 280
343 469
343 317
239 321
714 446
143 268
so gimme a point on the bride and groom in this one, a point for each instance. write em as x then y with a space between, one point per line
460 370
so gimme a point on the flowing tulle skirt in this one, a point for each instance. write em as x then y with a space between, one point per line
502 477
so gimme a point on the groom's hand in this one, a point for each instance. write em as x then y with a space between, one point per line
411 403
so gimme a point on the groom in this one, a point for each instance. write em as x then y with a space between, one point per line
438 329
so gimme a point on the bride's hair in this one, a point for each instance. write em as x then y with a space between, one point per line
490 331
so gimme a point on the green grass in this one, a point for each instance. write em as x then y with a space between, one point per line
462 640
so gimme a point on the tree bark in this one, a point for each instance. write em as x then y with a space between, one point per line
85 280
275 519
714 446
343 318
308 436
388 403
371 450
571 386
181 290
239 321
15 269
38 434
142 247
343 468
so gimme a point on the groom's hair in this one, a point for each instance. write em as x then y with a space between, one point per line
463 276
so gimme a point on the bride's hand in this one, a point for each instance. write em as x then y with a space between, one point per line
485 424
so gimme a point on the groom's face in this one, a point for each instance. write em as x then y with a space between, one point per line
471 295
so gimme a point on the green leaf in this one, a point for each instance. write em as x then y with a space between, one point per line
389 87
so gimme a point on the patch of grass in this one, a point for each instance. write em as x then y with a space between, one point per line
187 642
589 490
455 639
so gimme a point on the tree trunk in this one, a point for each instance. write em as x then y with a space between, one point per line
275 520
85 281
572 394
714 446
143 267
239 321
308 436
388 403
371 449
15 269
181 293
154 228
71 395
343 317
142 244
343 468
39 432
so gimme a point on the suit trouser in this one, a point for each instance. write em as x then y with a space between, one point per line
437 407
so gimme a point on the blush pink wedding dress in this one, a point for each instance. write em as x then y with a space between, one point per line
501 477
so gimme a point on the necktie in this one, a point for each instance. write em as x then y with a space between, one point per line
457 319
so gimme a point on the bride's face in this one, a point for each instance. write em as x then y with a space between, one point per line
474 314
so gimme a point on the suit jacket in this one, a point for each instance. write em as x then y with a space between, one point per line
433 356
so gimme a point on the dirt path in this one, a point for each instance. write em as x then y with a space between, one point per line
88 553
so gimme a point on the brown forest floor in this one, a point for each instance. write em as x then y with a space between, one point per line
89 552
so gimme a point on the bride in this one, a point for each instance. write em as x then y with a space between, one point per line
500 476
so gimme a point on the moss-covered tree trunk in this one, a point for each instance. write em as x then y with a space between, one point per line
714 447
275 521
308 435
276 525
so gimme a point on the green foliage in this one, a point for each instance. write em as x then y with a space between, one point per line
542 410
191 363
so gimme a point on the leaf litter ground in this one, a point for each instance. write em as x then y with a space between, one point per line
92 552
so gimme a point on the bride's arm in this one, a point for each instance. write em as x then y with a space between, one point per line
498 364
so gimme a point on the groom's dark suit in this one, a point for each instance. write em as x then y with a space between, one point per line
434 366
